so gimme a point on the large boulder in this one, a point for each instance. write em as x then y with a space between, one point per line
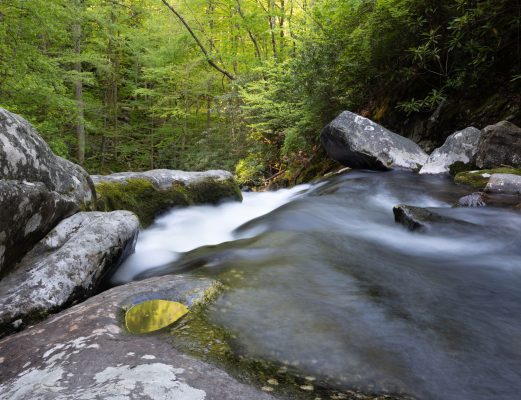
37 188
358 142
461 147
66 266
500 144
85 353
150 193
504 184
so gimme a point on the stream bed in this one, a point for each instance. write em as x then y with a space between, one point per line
320 280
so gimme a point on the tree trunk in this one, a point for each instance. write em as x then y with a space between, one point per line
78 86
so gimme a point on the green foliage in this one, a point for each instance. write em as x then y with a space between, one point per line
152 101
249 170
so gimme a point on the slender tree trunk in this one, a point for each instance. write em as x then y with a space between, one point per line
271 19
281 23
78 86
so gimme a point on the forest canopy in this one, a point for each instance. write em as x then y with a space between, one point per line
244 85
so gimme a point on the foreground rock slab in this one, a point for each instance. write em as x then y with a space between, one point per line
66 266
500 145
84 353
37 188
358 142
150 193
461 146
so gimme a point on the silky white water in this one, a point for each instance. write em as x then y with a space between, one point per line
185 229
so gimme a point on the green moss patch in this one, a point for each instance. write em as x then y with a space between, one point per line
479 179
146 201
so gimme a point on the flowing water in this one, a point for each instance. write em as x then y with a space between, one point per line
321 278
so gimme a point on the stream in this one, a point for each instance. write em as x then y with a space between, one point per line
321 279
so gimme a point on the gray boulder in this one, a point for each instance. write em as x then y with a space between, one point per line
504 184
473 200
66 266
38 188
358 142
150 193
461 146
85 353
500 144
27 212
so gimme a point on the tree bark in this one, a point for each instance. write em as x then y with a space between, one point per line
78 87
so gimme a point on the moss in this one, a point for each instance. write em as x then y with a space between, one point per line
139 196
146 201
213 191
479 179
460 166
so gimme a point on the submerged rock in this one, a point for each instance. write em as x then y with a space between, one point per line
37 188
504 184
85 353
460 147
421 219
150 193
358 142
473 200
500 145
66 266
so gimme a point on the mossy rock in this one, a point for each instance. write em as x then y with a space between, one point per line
479 179
147 201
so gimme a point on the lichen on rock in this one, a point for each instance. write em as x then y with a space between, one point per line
66 266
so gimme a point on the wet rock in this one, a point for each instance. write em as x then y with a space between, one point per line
38 189
358 142
459 147
421 219
500 145
150 193
504 184
66 266
472 200
85 353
